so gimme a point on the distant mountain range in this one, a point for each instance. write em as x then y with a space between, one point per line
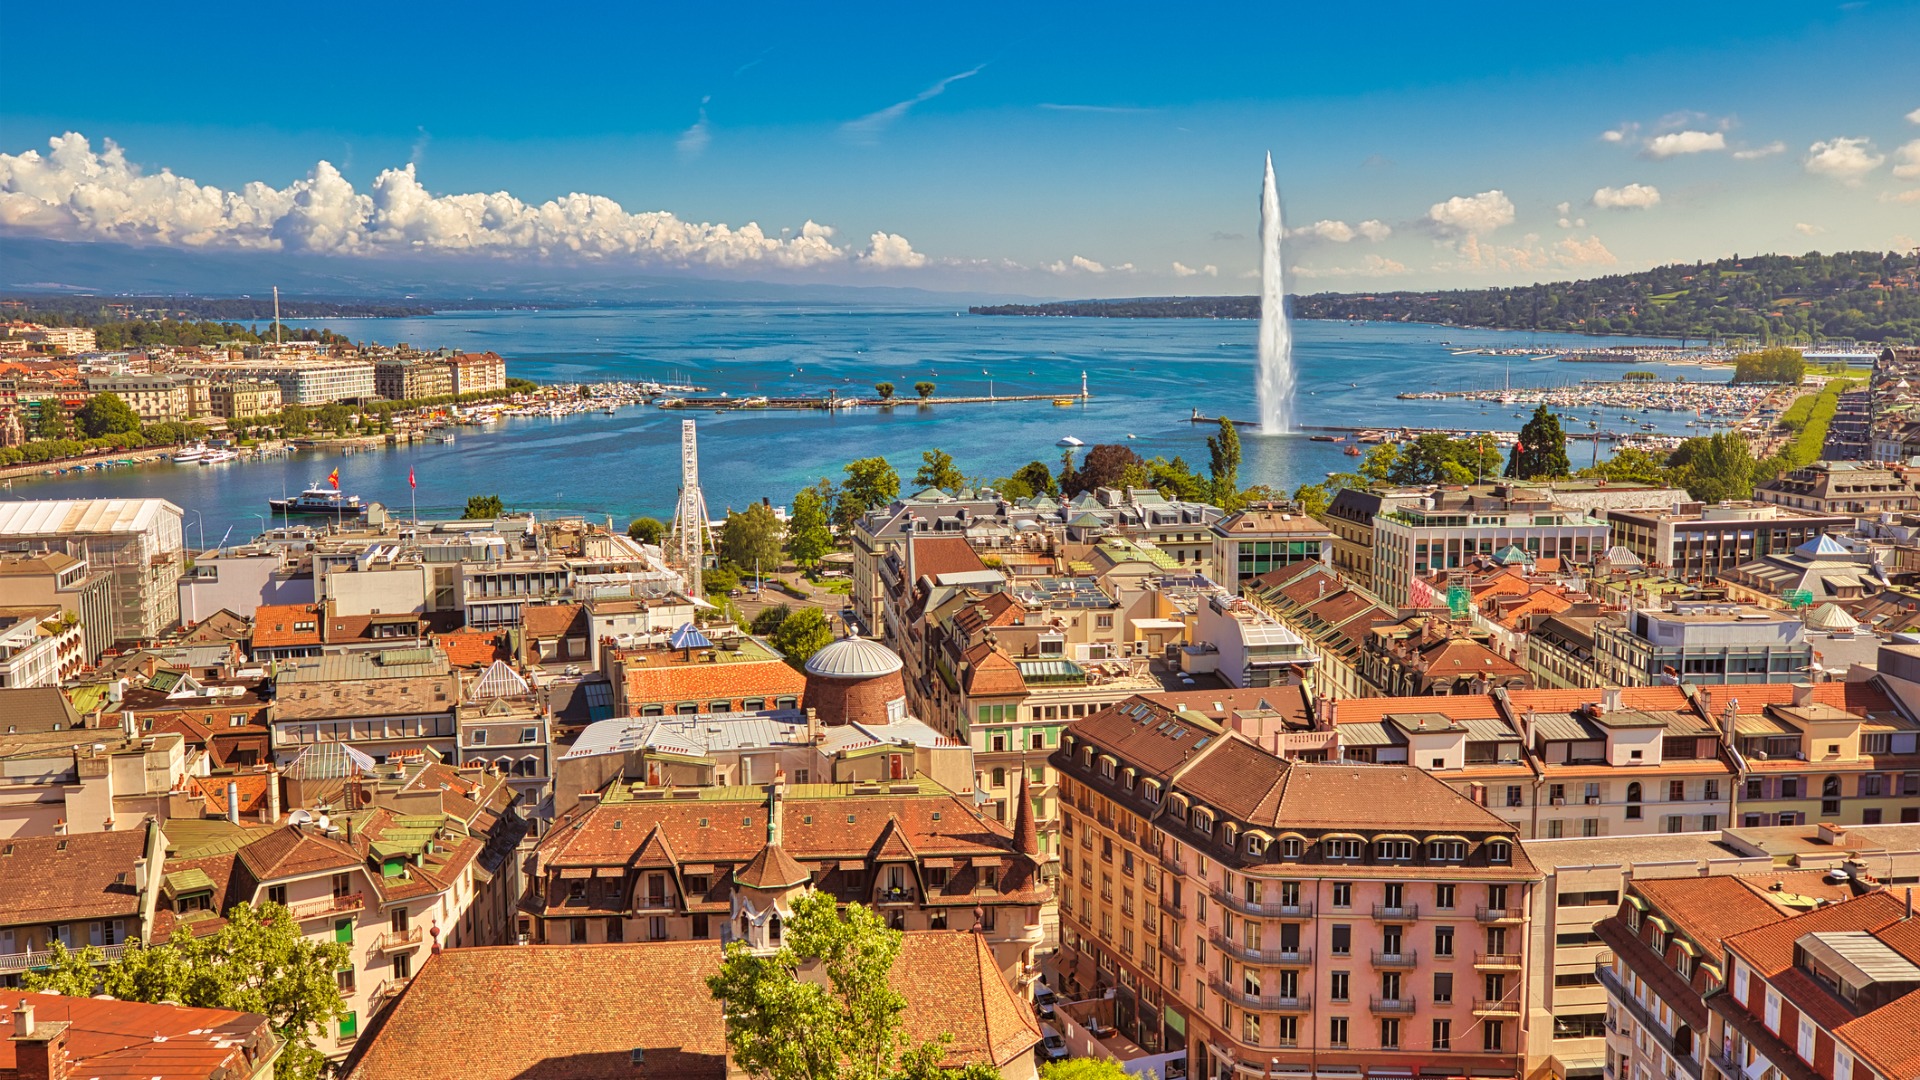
31 265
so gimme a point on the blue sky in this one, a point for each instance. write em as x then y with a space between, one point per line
983 147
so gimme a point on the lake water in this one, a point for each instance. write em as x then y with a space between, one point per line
1146 378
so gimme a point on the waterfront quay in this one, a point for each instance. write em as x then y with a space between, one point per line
1702 398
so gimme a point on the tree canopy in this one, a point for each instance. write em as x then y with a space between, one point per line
1776 365
483 507
105 414
938 471
845 1024
802 633
1106 465
809 536
884 389
258 962
1223 450
924 389
750 540
871 483
1541 452
647 530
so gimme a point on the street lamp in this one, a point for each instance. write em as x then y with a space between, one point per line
989 376
200 525
265 525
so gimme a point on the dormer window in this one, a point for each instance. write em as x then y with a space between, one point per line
1291 848
1393 850
1499 851
1202 820
1106 767
1446 850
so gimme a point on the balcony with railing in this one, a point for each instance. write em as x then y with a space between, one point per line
389 988
1397 1006
1253 954
1486 914
324 906
399 940
1262 1002
1498 961
14 963
1167 905
1402 958
1396 912
1170 946
1170 862
1506 1006
1260 908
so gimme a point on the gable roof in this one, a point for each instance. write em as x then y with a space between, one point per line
67 878
132 1040
520 1003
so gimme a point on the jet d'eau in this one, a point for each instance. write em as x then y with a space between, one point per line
1275 380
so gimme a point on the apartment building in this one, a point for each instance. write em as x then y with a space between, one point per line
1448 528
1702 641
1844 488
1693 541
412 378
1826 752
1667 957
477 373
409 861
1274 917
1350 517
155 398
1332 615
309 382
137 543
1265 537
390 705
1832 993
241 399
723 864
739 673
98 889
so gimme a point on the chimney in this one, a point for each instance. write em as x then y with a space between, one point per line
815 733
913 580
776 803
39 1050
273 794
1802 694
1610 700
1830 834
233 802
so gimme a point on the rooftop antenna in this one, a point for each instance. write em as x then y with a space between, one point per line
690 519
276 314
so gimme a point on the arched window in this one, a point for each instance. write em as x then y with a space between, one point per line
1633 801
1830 788
773 929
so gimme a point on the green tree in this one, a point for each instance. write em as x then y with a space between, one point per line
1776 365
768 621
1436 458
750 541
720 580
105 414
1069 477
924 389
1176 480
1541 452
1715 468
809 535
73 972
937 471
1223 450
1037 477
844 1023
483 507
1085 1068
870 484
647 530
802 634
50 420
884 389
1313 499
258 962
1631 465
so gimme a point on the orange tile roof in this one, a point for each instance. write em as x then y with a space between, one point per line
1709 909
937 555
522 1003
273 625
122 1040
991 672
66 878
473 648
553 620
213 792
672 684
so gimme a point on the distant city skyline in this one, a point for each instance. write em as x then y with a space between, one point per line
1049 151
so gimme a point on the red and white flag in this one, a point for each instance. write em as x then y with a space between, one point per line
411 482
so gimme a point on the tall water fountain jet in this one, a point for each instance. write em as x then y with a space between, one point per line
1276 336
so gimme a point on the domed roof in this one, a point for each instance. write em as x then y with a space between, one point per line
1831 618
853 657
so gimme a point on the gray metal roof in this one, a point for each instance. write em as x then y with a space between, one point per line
854 657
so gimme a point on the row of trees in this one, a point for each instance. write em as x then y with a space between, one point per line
106 422
886 389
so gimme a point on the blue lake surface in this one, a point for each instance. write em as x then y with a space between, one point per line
1146 377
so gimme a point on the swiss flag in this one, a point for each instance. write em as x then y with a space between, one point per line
411 482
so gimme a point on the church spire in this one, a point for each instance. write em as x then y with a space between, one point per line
1025 833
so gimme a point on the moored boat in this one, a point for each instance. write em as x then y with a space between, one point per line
316 500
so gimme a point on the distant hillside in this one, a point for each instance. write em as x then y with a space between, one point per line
1864 295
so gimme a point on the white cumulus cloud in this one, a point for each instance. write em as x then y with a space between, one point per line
1752 153
73 192
1078 263
1843 159
1907 160
1338 232
1471 215
1805 229
1181 269
1567 220
1631 197
1574 252
1685 142
1914 117
1374 230
1371 266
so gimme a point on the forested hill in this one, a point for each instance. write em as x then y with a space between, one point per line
1864 295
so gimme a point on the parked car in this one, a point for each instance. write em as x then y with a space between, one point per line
1052 1046
1043 1000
